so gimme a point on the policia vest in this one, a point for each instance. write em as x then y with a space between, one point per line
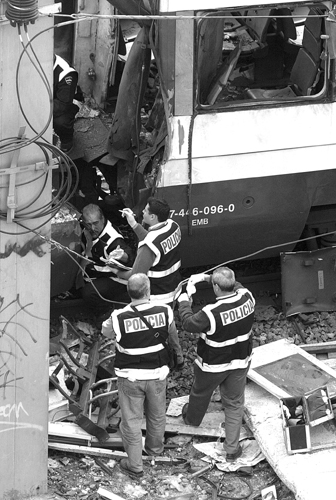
101 247
137 346
63 71
164 275
227 345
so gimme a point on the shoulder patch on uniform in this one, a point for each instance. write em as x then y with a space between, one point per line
68 80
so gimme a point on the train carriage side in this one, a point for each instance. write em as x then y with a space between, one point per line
251 150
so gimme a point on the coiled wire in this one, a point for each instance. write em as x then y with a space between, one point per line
22 11
68 185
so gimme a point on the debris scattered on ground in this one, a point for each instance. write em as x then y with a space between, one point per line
78 477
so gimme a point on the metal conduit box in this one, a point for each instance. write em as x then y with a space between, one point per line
308 281
300 433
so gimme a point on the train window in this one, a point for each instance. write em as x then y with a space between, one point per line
261 56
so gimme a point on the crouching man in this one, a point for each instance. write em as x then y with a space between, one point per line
141 330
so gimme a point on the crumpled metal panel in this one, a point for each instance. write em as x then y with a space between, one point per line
308 281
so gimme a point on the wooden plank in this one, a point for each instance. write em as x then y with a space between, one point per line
211 426
285 370
70 430
87 450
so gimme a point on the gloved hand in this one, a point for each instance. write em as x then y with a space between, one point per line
116 254
196 278
191 289
130 216
183 298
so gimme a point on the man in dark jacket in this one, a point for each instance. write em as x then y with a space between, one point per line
223 353
141 330
65 110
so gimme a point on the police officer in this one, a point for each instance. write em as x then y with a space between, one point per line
223 352
158 253
158 256
65 110
141 330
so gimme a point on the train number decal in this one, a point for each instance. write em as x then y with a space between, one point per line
198 212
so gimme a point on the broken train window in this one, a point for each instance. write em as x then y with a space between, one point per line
263 55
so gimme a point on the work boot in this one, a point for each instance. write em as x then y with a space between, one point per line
184 414
232 457
124 466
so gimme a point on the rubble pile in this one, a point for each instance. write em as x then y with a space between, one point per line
76 476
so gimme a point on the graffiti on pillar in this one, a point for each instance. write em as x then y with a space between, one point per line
14 337
33 245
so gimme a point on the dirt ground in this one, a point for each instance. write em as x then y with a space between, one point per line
80 477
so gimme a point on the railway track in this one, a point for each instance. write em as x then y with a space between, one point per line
266 288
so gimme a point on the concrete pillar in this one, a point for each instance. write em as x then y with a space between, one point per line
24 267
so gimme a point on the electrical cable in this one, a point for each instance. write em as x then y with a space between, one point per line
43 76
159 17
68 186
72 252
263 250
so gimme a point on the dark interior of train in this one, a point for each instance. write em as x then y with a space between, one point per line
262 54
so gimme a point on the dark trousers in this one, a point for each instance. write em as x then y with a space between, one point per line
64 124
103 288
232 386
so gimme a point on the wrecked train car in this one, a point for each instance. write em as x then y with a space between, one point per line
242 130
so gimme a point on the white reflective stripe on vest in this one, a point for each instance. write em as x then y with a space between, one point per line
65 67
167 272
165 298
236 364
241 338
140 350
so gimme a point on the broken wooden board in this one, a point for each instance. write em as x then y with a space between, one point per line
286 370
100 452
212 424
71 433
88 450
